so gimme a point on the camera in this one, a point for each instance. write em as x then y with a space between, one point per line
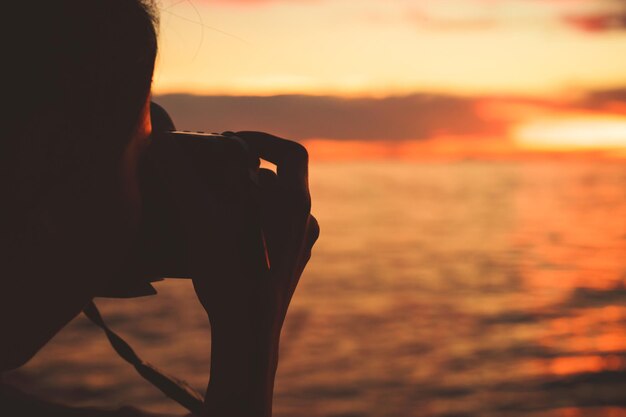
221 173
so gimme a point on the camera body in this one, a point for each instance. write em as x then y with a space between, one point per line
221 173
182 175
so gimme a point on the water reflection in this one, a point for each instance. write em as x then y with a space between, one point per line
437 289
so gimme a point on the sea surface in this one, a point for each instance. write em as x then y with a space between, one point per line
437 289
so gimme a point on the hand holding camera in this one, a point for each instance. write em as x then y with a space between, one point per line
289 232
247 307
242 233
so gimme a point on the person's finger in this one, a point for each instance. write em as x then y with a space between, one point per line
313 231
267 178
291 159
273 207
270 190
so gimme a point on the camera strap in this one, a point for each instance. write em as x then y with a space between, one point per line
176 389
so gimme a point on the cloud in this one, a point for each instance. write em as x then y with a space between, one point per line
422 19
245 2
417 116
595 23
466 15
590 16
609 100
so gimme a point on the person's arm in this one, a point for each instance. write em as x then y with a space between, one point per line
247 309
243 367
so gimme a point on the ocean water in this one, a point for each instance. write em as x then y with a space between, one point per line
437 289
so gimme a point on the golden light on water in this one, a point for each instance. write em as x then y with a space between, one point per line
581 133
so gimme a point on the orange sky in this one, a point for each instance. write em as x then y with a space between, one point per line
375 47
556 50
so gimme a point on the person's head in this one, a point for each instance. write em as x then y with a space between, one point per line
98 52
80 70
77 77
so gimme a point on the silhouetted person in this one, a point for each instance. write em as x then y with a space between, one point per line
76 87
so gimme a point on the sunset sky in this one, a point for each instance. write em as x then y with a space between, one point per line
554 53
384 47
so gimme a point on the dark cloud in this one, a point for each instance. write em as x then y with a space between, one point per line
599 16
598 100
596 23
605 15
304 117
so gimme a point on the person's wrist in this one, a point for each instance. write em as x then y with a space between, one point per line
243 367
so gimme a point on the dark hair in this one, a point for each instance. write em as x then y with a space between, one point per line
77 74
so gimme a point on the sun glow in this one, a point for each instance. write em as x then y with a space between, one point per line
581 133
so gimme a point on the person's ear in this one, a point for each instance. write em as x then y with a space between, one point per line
144 126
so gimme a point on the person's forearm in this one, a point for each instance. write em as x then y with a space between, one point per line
243 367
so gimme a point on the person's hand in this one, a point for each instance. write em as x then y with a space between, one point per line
246 288
246 253
238 293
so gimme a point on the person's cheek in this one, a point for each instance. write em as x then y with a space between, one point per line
130 164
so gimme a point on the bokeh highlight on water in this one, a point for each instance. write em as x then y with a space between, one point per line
437 289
